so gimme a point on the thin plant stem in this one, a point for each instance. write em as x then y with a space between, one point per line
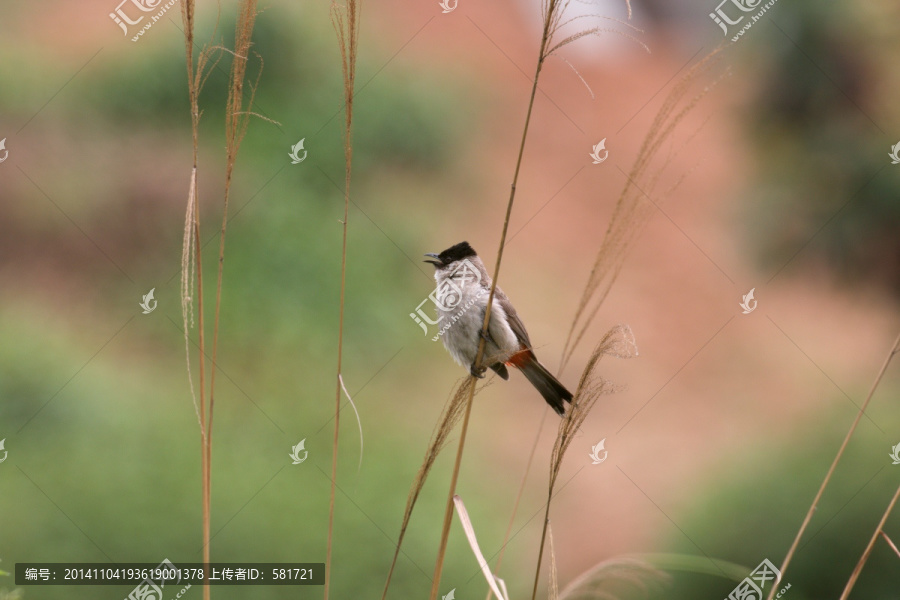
235 126
347 29
865 555
815 503
553 474
450 417
512 518
619 342
204 458
629 218
337 402
448 516
545 39
337 394
448 513
192 230
207 449
890 543
537 570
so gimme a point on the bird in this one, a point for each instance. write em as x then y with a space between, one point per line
461 295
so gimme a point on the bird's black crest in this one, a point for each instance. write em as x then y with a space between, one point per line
458 252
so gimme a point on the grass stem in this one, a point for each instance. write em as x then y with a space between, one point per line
347 28
868 551
815 503
448 513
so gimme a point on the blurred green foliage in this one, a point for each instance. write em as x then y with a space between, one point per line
752 508
820 124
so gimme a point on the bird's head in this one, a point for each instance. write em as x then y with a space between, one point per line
449 257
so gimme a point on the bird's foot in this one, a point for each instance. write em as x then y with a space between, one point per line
477 371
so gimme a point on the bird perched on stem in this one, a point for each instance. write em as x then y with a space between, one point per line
463 287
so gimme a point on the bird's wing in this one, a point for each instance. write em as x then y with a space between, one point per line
515 323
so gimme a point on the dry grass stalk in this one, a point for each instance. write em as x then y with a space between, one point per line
815 503
891 543
450 417
190 255
191 263
553 23
552 11
497 585
448 513
346 25
358 420
235 127
191 222
236 122
554 576
607 579
515 510
631 214
868 551
618 342
628 220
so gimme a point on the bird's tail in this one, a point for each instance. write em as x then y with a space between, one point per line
549 386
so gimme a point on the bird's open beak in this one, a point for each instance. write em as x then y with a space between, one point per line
437 262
